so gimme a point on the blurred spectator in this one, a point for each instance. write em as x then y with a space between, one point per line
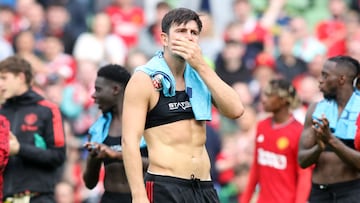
8 23
332 31
230 125
231 193
246 136
76 103
210 43
6 49
24 46
287 64
57 19
79 12
226 159
306 45
149 36
100 45
243 90
307 87
64 193
134 59
22 7
58 64
263 72
315 65
36 19
352 22
127 20
229 63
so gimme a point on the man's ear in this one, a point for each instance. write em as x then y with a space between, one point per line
116 89
22 77
164 39
342 79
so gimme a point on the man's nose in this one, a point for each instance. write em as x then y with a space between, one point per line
190 36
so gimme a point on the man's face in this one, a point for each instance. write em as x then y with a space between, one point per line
10 84
328 82
271 101
104 94
188 31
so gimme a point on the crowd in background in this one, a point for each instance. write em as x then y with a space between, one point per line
247 42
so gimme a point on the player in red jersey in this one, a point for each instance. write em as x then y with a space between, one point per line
275 168
4 149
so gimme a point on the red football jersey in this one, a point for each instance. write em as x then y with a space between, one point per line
275 168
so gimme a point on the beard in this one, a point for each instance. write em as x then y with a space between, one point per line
179 57
330 96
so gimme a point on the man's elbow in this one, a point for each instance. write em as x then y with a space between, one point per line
302 163
236 113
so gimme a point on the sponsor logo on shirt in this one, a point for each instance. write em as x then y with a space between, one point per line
176 105
282 143
271 159
30 119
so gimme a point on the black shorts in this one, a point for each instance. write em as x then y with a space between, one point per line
115 197
338 192
168 189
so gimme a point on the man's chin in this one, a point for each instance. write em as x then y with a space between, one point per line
329 97
179 57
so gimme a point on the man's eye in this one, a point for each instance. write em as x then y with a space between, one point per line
195 33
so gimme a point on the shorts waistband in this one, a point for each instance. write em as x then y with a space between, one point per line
341 185
180 181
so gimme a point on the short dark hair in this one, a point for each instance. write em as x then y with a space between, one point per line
16 64
350 65
115 73
179 16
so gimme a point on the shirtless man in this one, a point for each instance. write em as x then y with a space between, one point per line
330 138
104 145
168 100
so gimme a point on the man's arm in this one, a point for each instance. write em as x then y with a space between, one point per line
91 173
136 101
303 186
225 98
345 153
310 147
93 166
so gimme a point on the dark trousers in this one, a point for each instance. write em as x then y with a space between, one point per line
115 197
344 192
168 189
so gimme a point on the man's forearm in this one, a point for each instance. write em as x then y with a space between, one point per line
91 174
134 172
307 157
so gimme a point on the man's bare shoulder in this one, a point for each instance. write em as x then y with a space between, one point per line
139 82
309 112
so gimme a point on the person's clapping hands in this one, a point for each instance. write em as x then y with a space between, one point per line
322 131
